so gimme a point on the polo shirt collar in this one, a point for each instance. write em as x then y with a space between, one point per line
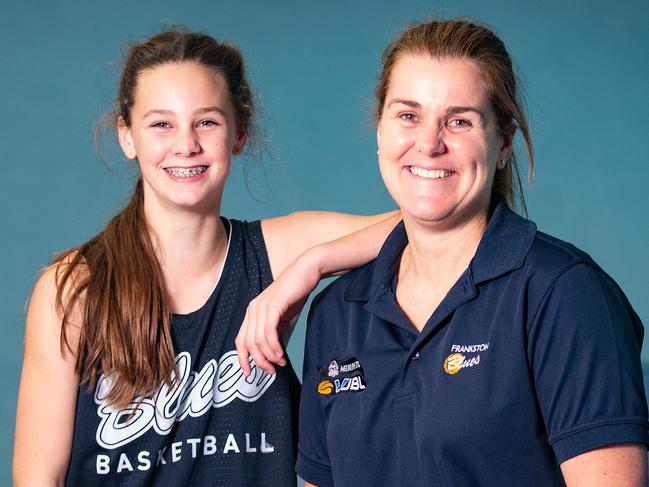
502 249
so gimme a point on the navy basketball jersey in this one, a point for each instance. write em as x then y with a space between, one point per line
214 426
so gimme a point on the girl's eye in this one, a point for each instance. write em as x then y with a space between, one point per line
458 124
160 125
207 123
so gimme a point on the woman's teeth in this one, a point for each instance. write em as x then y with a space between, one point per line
185 172
430 174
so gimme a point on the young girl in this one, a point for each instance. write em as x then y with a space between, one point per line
130 373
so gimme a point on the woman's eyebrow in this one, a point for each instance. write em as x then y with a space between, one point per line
404 101
459 109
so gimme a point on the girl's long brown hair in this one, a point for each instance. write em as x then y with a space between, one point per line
115 278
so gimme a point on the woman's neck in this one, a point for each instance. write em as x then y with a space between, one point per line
431 253
431 264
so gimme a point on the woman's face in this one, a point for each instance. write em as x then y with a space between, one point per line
183 131
438 140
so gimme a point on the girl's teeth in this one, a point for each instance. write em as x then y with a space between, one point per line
185 172
430 174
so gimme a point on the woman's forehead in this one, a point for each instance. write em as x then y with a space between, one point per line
432 81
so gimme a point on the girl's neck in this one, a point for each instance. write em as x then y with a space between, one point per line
191 248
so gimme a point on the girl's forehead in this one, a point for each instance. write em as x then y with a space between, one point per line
180 83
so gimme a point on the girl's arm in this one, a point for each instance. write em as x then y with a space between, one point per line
47 395
304 247
288 237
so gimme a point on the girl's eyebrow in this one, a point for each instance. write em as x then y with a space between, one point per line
161 111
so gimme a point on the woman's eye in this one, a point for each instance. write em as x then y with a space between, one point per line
408 117
458 124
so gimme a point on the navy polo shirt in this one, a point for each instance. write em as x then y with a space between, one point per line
533 357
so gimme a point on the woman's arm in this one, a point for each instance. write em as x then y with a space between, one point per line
47 395
304 247
609 466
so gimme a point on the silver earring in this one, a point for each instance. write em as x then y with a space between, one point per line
503 163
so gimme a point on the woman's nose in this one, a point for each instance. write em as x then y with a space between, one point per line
430 139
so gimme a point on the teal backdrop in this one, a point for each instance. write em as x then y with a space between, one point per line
585 70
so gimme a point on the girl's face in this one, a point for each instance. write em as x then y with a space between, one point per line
183 131
438 140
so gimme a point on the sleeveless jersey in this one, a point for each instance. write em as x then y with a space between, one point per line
214 426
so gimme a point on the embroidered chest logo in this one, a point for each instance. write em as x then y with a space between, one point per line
341 376
463 356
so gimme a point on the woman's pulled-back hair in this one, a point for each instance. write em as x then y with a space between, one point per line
115 278
462 39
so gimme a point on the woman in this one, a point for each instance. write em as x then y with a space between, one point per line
130 375
474 350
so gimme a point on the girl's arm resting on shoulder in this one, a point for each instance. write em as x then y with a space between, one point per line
304 247
613 465
288 237
47 395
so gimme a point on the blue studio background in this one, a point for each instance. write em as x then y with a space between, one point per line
313 64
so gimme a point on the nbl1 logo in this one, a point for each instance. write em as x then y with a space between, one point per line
341 376
328 387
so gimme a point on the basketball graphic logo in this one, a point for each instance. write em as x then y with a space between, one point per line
325 387
453 363
333 369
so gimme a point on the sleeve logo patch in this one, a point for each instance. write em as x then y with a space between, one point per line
341 376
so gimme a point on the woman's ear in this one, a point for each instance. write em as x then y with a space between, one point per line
507 147
125 138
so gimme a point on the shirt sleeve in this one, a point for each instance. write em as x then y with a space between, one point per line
584 350
313 463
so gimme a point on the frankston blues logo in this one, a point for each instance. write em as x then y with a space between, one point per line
341 376
460 359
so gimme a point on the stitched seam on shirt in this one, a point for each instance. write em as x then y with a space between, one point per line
598 424
551 285
315 463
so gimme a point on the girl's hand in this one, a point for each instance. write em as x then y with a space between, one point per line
274 313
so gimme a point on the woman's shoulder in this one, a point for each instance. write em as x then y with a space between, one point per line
550 256
555 267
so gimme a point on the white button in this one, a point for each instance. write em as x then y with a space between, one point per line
415 356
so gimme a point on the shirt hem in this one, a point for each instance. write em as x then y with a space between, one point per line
595 435
313 472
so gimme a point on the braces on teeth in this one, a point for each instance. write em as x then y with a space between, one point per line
186 172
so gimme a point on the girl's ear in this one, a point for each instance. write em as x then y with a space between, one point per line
125 139
239 142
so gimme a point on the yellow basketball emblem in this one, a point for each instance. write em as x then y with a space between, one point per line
325 387
453 363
